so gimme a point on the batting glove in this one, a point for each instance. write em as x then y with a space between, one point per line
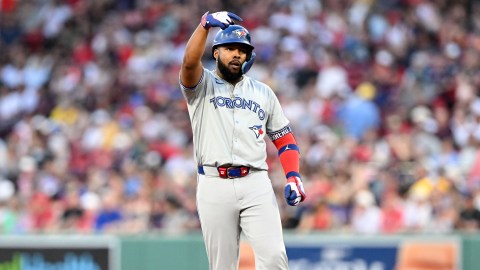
294 192
221 19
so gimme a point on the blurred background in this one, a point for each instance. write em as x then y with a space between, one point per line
383 97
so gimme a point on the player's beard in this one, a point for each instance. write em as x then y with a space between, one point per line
228 75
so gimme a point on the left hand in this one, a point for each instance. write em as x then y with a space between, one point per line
294 192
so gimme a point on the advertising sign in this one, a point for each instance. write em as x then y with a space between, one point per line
353 256
372 253
58 253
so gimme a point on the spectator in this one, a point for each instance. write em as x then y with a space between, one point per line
359 113
110 215
392 214
366 216
418 211
469 218
320 218
73 216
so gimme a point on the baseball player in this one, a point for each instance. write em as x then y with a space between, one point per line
231 114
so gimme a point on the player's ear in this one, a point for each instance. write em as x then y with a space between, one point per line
215 54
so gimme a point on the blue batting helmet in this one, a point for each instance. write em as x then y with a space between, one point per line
233 34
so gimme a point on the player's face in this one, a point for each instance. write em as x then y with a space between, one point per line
230 60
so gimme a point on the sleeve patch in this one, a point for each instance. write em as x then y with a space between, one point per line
279 133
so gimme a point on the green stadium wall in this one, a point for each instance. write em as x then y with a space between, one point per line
187 252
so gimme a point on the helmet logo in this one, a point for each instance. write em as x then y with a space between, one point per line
240 33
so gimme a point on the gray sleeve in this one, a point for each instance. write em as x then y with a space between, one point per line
277 123
190 93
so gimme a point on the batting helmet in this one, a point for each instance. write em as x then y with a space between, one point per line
233 34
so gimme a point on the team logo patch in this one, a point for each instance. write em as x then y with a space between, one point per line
240 33
257 129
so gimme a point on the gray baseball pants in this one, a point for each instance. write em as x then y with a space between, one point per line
227 207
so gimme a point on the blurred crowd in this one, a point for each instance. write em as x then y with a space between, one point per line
383 97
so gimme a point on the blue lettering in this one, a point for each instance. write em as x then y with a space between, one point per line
212 100
228 103
247 104
239 102
221 101
261 114
255 107
70 261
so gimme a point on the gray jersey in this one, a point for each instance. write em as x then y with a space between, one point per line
230 122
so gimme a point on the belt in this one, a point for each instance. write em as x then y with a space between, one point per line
225 172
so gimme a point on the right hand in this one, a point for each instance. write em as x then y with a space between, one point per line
221 19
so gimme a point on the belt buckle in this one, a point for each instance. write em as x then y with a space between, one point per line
234 176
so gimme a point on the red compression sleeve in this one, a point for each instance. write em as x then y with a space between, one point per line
289 154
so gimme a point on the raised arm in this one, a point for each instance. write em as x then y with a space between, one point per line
192 67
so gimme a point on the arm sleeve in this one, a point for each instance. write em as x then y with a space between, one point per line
289 154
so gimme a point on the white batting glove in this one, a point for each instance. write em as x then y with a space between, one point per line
221 19
294 192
